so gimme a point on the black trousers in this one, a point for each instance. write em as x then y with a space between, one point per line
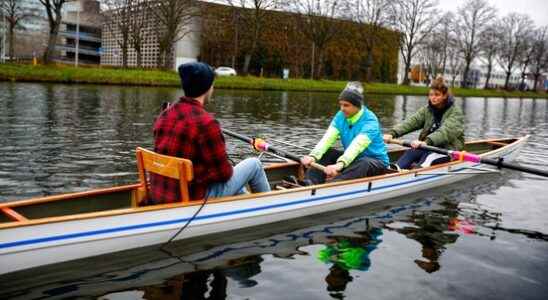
363 167
416 157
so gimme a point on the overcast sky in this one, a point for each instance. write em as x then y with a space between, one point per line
537 9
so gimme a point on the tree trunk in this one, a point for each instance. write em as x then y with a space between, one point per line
444 66
523 75
507 81
320 64
252 51
522 85
488 77
368 65
139 58
124 53
535 85
164 53
247 61
464 82
453 80
312 62
236 39
406 72
48 54
12 40
52 40
169 55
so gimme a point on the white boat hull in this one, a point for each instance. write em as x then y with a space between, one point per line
42 244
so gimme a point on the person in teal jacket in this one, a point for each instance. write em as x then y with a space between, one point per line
361 137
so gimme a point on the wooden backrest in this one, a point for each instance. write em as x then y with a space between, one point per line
168 166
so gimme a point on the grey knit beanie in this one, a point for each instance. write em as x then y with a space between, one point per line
353 93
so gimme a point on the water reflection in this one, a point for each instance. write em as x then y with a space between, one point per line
206 284
432 230
345 253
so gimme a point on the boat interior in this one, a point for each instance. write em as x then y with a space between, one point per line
126 199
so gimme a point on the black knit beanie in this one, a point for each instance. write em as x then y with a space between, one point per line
353 93
196 78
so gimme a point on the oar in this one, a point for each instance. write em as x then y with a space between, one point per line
267 147
471 157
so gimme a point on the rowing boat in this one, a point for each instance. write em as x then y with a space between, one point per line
59 228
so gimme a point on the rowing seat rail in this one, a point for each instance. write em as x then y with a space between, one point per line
168 166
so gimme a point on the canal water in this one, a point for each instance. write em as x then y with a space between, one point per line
483 239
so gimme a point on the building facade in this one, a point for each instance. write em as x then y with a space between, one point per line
212 37
476 78
31 33
185 50
80 28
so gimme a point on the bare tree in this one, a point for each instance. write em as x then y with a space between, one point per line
513 29
539 61
254 14
455 62
174 19
445 34
236 21
373 16
119 16
434 50
489 45
430 56
526 56
138 25
54 12
414 19
14 13
316 20
473 17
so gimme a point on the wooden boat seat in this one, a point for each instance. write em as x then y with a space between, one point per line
168 166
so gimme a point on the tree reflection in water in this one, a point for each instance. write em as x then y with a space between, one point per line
207 284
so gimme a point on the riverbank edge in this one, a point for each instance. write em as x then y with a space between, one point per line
156 78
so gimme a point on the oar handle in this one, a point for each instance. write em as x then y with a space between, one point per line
425 147
271 149
318 166
465 156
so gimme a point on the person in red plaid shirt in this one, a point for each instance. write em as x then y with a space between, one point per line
185 129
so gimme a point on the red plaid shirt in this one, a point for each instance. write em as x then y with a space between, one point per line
186 130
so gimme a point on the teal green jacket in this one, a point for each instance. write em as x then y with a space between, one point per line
360 136
450 133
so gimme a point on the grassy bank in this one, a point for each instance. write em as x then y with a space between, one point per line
65 74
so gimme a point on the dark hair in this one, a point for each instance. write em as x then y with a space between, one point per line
439 84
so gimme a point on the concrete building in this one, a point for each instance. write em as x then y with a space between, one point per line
31 34
38 21
80 28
